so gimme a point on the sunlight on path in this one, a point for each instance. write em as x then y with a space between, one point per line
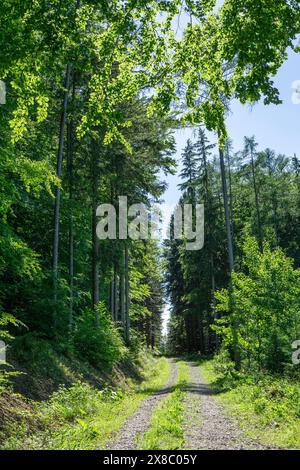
139 423
206 424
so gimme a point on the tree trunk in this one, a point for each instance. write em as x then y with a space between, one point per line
70 135
226 209
213 299
127 296
62 126
260 234
188 332
116 296
275 216
236 355
122 292
274 205
230 194
95 240
112 299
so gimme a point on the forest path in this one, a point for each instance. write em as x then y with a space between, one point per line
139 422
206 424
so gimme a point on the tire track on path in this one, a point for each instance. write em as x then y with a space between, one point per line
139 422
206 424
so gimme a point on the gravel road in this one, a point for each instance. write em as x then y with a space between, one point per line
139 422
206 424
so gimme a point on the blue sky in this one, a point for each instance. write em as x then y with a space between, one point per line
277 127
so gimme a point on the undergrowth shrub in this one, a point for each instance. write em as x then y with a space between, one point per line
78 400
31 348
274 397
260 311
100 343
6 321
225 368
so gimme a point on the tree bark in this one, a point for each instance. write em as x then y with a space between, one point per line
62 127
260 234
227 215
122 292
70 135
112 299
213 298
95 241
127 296
116 296
230 195
236 355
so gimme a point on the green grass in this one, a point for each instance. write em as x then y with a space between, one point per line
266 407
166 426
82 417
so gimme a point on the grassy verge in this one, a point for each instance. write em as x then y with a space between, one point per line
83 417
266 407
166 426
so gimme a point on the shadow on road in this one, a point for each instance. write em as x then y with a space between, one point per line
196 388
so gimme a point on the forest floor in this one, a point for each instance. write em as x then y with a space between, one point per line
167 404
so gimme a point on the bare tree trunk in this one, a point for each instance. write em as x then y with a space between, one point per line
71 228
152 334
95 262
226 209
259 226
213 282
62 126
236 355
275 216
274 205
187 322
213 289
230 194
112 299
127 297
116 296
95 241
122 292
210 231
